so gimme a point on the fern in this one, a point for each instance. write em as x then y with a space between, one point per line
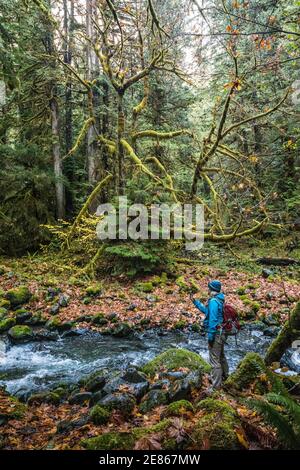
282 425
290 406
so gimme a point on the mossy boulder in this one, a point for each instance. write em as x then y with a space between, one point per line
127 440
122 330
217 427
179 408
252 374
55 323
99 319
3 313
173 359
145 286
181 283
6 324
18 296
110 441
93 290
180 325
5 304
22 315
20 333
99 415
123 402
53 398
11 408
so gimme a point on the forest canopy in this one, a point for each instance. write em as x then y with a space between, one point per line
174 101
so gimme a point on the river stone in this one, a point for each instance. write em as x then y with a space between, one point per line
20 333
180 390
153 399
122 402
73 332
270 320
96 397
267 273
18 296
22 316
65 426
139 389
133 376
45 335
123 330
173 375
94 384
79 398
131 307
54 309
63 300
159 384
272 331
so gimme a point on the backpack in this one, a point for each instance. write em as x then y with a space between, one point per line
231 325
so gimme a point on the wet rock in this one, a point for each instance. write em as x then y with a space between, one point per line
3 313
174 375
173 359
99 319
139 389
131 307
160 384
94 384
6 324
123 330
63 300
180 390
79 398
267 273
45 335
96 397
65 426
85 318
73 332
151 298
122 402
22 316
133 376
18 296
4 304
52 292
271 320
271 331
20 334
153 399
291 359
54 309
36 320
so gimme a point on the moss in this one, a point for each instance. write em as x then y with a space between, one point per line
99 415
86 300
53 323
99 319
18 296
174 359
183 286
94 290
196 327
20 332
3 313
123 440
145 287
255 306
241 290
110 441
4 303
6 324
145 321
252 374
217 427
179 408
14 410
212 405
180 325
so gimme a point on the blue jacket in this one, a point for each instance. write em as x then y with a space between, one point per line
213 314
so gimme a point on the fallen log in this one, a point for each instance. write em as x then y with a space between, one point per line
289 333
277 261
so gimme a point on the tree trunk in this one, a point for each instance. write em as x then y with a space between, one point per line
289 333
121 128
91 62
68 40
57 162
